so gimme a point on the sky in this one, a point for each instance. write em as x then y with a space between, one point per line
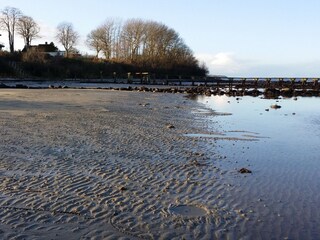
236 38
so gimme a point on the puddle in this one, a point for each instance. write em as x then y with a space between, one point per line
187 211
229 135
210 112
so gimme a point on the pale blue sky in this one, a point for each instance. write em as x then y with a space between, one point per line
234 37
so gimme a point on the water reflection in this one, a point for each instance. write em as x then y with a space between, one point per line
228 135
295 119
283 188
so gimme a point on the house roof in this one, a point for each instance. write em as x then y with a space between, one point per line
42 48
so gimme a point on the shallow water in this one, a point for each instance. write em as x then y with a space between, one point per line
187 211
294 128
282 195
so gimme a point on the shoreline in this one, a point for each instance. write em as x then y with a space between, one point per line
273 90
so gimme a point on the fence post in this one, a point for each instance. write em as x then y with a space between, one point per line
268 82
256 83
316 83
129 78
114 77
280 83
292 83
243 82
230 84
303 83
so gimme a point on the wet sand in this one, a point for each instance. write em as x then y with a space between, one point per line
104 165
95 164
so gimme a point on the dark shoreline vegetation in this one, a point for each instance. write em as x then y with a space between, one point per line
38 65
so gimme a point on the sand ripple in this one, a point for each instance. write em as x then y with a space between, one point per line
100 164
81 164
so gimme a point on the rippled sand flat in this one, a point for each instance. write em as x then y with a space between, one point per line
95 164
104 164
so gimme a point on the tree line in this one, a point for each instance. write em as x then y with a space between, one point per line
147 45
140 42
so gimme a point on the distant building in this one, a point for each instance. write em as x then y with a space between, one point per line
46 48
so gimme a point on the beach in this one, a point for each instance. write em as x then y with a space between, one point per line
103 164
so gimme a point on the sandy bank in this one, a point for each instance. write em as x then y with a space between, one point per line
104 164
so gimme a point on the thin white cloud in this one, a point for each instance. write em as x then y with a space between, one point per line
223 63
222 59
47 31
229 64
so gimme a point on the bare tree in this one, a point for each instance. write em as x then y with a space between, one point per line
116 40
8 20
132 34
154 43
67 36
106 37
93 41
28 29
144 43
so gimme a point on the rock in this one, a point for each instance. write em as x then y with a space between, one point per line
197 164
144 104
240 211
170 126
275 106
123 188
244 170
